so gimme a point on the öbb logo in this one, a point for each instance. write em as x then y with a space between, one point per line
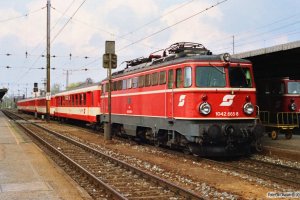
181 100
227 100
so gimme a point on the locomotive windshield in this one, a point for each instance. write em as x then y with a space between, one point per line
293 87
240 77
210 76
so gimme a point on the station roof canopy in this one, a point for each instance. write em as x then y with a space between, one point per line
276 61
2 93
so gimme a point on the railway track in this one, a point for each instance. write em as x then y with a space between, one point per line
280 174
114 179
277 173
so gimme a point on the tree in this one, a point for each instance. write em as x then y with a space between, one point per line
55 88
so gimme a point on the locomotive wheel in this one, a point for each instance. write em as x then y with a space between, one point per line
288 135
258 145
274 135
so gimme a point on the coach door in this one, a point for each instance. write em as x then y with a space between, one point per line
170 95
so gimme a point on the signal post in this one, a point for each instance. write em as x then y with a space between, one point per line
109 62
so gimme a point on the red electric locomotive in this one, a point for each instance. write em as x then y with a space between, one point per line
187 98
279 102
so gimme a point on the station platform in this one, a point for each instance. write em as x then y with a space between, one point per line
283 148
27 173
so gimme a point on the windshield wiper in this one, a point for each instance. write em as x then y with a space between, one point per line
217 68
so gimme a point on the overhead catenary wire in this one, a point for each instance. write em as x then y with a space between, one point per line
23 75
168 27
64 26
244 35
21 16
158 18
161 30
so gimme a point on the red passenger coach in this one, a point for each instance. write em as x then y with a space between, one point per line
77 104
80 104
33 105
186 98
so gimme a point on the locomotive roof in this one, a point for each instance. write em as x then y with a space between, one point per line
172 60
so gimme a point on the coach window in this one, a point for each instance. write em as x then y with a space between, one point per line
155 78
141 81
77 99
63 101
72 100
74 96
80 99
162 77
135 82
187 77
147 80
84 99
178 78
170 78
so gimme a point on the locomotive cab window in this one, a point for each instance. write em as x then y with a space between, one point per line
178 78
293 87
155 78
141 81
129 83
210 76
162 77
124 84
170 78
240 77
119 85
187 77
135 82
147 80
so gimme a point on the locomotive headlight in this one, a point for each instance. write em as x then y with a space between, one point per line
204 108
293 106
248 108
225 57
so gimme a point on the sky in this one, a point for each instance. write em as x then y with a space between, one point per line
139 27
